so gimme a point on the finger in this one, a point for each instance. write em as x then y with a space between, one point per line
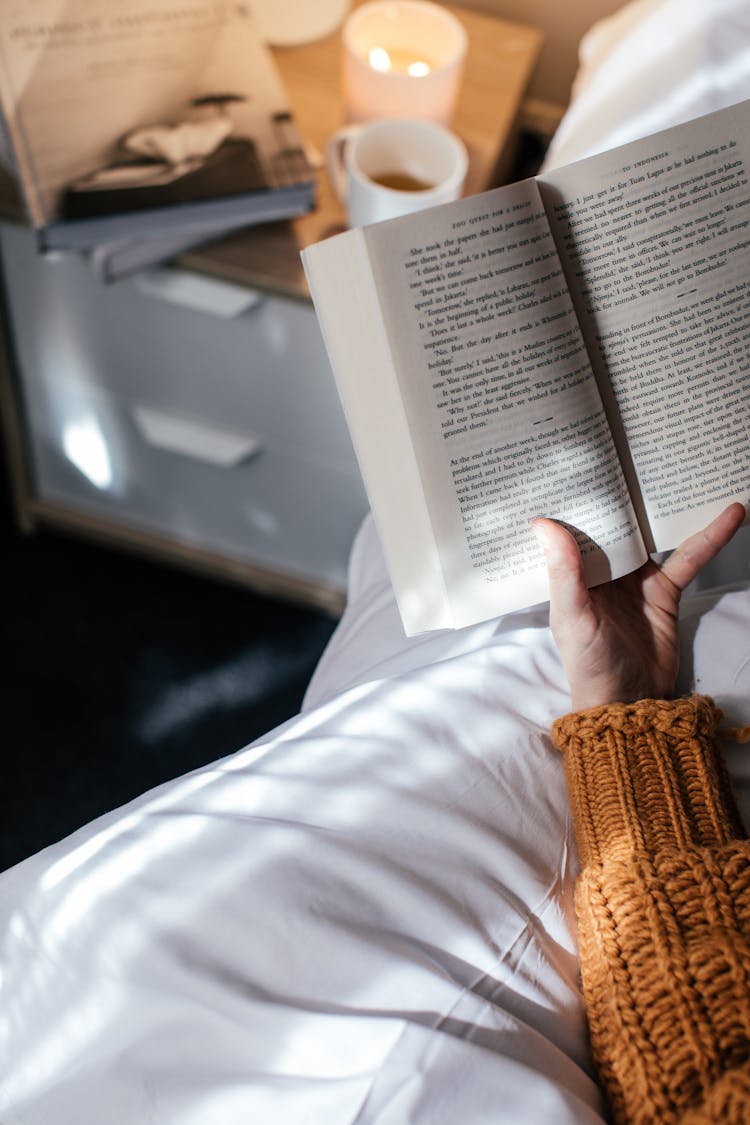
684 563
567 587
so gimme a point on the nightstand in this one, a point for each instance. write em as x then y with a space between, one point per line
189 412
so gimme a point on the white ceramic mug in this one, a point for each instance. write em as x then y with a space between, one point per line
287 23
393 167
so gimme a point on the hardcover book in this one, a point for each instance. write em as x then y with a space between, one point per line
575 346
146 121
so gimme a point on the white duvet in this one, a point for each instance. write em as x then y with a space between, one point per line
365 916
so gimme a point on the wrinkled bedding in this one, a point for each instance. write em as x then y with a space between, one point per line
365 916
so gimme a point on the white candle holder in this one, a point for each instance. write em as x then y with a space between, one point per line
402 58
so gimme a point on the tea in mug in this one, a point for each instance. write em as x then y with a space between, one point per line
401 181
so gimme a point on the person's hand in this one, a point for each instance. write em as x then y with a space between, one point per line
618 642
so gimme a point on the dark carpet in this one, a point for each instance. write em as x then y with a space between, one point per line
121 673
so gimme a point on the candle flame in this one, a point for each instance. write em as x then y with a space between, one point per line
380 59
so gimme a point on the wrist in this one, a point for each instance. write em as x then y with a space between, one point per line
589 697
628 685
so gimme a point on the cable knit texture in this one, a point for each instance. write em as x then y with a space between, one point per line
663 903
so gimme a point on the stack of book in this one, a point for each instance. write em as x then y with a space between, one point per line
138 129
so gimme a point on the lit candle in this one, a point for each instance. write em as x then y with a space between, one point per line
401 61
402 58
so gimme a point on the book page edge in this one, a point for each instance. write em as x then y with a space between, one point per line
356 338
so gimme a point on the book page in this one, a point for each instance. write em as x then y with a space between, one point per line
655 242
348 311
502 407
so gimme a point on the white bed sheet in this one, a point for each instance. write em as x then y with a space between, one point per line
654 64
366 916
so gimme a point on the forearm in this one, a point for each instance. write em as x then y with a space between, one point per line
663 906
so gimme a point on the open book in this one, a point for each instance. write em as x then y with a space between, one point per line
146 121
574 346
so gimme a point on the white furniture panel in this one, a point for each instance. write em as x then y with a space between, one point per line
185 408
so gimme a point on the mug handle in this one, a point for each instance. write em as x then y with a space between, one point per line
334 159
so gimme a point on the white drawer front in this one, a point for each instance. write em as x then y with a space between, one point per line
220 429
275 508
263 368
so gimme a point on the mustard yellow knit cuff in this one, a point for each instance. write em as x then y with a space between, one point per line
646 776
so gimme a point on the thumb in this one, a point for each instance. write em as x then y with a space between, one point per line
568 593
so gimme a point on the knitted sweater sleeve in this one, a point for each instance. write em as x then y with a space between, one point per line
663 905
